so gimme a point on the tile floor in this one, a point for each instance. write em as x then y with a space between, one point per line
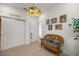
28 50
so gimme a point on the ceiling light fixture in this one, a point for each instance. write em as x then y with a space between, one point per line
33 11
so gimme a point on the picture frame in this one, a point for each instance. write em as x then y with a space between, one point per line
47 21
58 27
53 20
63 18
49 27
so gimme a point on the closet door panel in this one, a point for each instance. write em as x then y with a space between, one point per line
19 33
13 33
7 40
4 39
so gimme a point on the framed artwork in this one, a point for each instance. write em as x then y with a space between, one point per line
47 21
53 20
49 27
58 27
63 18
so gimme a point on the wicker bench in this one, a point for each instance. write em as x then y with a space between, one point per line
48 42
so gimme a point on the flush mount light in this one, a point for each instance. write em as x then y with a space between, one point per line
33 11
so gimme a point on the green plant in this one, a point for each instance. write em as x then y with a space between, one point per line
75 24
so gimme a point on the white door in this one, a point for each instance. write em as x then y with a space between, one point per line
12 33
7 38
33 32
19 32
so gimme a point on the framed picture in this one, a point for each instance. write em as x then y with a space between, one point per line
47 21
58 27
63 18
49 27
53 20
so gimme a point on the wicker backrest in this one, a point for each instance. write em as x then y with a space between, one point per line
55 37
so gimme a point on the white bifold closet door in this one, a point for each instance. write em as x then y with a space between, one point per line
12 33
19 32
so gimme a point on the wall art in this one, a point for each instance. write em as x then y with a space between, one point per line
53 20
63 18
47 21
58 27
49 27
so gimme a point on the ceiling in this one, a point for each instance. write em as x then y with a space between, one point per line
43 6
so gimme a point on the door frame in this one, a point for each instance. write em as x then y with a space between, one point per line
30 33
0 32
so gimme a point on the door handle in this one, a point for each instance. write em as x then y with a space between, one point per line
31 35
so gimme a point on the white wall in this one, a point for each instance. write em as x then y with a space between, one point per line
71 46
5 10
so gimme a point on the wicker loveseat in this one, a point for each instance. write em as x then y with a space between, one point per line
52 42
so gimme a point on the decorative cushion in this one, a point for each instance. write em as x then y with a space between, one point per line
54 43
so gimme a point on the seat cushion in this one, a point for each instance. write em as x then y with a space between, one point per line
54 43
